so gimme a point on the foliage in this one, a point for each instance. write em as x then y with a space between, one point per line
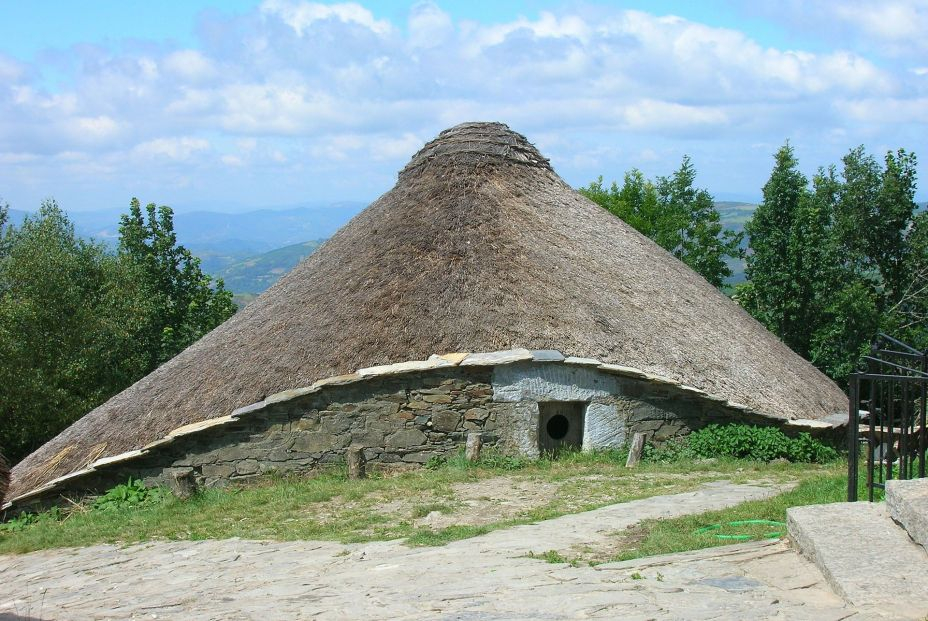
130 494
78 323
832 263
744 442
670 535
69 318
679 217
329 506
187 305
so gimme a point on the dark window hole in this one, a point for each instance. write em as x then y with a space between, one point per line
557 427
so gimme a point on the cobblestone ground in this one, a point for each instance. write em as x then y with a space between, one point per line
484 578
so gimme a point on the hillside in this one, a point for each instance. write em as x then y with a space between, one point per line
257 273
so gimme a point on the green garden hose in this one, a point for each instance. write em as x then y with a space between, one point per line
736 523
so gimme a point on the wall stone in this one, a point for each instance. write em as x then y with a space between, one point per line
406 419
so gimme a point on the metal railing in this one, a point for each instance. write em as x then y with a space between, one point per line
891 423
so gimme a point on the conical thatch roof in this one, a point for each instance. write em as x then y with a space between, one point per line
480 246
4 478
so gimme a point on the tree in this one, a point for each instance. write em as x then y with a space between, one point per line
769 268
79 324
830 266
187 304
67 340
676 215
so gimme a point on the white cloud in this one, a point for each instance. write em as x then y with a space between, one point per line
332 86
176 148
429 26
301 16
387 148
650 115
190 65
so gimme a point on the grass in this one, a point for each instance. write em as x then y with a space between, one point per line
331 507
691 532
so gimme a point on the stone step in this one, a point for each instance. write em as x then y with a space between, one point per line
866 557
907 502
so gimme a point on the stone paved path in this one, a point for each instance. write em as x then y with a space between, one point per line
480 579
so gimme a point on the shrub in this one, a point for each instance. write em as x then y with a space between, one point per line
131 494
743 442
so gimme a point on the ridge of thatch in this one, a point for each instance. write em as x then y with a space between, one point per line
480 246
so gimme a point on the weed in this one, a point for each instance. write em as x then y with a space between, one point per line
131 494
420 511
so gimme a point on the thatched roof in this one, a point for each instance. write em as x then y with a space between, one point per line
4 478
480 246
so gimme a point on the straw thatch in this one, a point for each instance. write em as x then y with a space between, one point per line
480 246
4 478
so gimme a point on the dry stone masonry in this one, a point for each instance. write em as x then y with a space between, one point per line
404 415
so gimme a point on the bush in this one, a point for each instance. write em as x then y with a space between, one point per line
743 442
131 494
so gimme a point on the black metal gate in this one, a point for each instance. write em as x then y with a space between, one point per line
887 415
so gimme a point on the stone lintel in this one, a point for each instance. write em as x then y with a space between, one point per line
115 459
507 356
201 425
285 395
547 355
404 367
583 362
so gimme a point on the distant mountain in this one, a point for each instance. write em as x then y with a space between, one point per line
223 239
257 273
734 214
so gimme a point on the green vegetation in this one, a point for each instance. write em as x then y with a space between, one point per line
79 323
835 261
652 537
742 442
255 274
128 495
331 507
679 217
829 262
186 304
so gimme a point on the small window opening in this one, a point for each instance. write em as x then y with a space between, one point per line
560 426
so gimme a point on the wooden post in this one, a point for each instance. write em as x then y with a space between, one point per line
183 483
634 453
472 448
356 461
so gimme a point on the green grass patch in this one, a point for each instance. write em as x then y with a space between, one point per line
694 532
328 506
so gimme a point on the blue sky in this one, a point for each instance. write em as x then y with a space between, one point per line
239 104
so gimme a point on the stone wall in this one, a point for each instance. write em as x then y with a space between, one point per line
406 419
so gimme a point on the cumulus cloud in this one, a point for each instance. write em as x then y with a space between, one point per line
301 16
304 84
176 148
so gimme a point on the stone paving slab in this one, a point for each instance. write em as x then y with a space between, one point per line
907 502
481 579
865 556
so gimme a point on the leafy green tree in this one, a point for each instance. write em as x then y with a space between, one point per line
907 317
679 217
188 304
68 313
78 324
830 266
769 268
